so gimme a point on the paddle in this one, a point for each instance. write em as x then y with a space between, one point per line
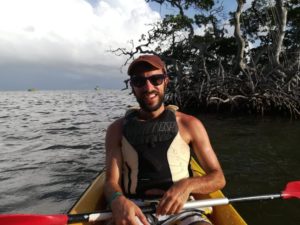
292 190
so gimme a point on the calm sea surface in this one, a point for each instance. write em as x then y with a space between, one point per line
52 146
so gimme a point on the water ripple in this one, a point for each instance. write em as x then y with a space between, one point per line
64 128
67 147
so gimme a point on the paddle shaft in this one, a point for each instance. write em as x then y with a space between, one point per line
225 201
255 198
104 215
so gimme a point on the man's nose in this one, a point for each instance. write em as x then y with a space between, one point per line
148 85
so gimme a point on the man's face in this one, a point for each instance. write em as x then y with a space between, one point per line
148 87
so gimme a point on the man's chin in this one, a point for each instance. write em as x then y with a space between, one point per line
150 108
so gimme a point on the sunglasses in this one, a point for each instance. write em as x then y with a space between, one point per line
139 81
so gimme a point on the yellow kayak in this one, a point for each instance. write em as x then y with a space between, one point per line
93 200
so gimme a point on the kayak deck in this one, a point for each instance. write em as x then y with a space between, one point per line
93 200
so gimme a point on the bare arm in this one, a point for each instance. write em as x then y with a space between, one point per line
113 159
194 133
124 210
214 179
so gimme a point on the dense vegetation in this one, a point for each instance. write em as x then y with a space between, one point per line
254 70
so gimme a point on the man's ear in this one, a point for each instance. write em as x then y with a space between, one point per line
132 89
167 80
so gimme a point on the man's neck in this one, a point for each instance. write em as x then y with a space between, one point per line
144 115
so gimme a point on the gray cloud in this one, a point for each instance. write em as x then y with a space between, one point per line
44 41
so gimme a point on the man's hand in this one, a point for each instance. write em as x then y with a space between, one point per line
125 212
173 199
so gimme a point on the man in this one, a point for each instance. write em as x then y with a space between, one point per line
148 152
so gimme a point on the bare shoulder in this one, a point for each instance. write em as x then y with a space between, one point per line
190 127
188 121
115 128
117 123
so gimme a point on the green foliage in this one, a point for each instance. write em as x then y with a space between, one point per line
187 4
202 58
177 22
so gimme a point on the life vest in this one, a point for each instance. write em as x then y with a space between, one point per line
154 153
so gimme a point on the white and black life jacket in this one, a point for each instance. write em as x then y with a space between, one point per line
154 154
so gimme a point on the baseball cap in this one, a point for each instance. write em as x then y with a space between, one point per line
153 60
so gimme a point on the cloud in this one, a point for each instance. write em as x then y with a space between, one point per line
73 35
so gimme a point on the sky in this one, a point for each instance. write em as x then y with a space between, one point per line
64 44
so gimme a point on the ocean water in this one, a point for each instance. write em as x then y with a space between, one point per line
259 156
52 146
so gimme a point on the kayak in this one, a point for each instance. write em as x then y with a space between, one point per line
93 200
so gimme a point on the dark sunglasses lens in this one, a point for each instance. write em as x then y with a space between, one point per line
138 81
156 79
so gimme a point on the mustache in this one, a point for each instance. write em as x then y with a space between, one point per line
149 92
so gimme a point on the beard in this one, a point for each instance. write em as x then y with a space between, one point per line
150 108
